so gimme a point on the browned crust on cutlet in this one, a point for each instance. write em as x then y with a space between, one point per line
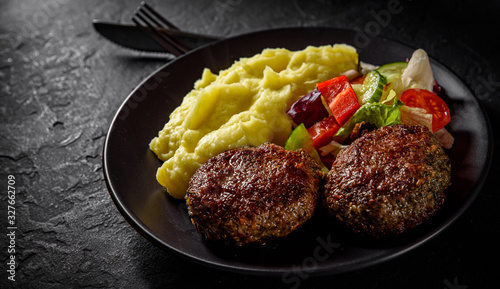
388 180
253 195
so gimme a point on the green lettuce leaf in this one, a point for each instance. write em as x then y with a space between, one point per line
378 114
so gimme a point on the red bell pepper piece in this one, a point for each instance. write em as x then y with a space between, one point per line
340 97
322 132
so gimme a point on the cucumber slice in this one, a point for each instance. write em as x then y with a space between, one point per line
300 139
372 88
390 69
392 72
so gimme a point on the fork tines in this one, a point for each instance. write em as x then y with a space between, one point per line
154 25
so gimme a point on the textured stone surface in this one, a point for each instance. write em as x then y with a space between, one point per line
61 84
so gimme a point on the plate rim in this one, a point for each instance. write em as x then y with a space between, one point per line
143 229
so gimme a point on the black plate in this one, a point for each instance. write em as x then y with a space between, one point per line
318 248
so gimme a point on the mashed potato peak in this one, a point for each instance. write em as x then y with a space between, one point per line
245 105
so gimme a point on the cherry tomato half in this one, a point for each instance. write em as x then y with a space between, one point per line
432 103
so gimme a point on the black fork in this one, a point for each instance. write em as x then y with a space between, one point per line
158 28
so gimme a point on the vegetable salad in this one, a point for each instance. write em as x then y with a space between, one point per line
394 93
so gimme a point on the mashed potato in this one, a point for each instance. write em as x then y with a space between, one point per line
245 105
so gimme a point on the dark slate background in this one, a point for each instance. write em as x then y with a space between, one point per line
61 84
